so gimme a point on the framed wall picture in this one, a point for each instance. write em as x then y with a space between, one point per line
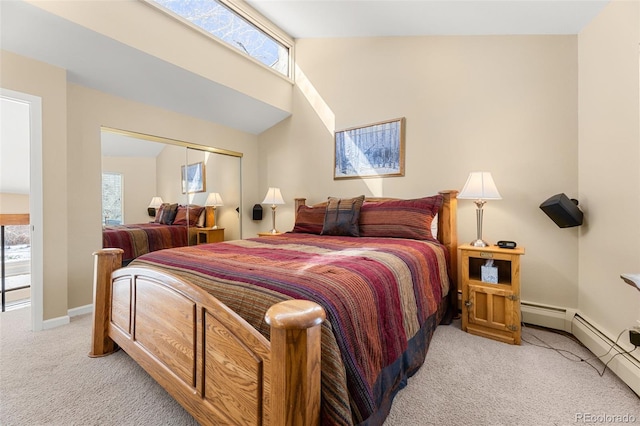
374 150
193 178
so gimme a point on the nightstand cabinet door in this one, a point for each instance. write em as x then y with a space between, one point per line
493 312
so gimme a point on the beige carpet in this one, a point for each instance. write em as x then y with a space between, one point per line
46 378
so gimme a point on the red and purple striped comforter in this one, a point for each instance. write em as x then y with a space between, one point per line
383 298
142 238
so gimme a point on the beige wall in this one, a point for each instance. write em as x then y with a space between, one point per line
139 184
72 116
507 105
609 166
88 110
49 83
14 203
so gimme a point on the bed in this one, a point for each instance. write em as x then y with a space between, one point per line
172 227
284 329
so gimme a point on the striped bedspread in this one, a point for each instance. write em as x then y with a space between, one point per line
142 238
383 298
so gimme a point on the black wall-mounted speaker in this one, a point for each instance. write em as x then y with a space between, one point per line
257 212
563 211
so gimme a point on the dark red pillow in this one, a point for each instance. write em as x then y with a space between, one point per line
309 220
188 215
400 218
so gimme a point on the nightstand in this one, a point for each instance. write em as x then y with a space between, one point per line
491 309
209 235
268 234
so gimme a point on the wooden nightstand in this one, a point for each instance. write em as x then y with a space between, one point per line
488 309
209 235
268 234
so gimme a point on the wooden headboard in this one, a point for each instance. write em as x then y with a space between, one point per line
447 232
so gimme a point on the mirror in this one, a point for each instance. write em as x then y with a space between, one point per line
138 167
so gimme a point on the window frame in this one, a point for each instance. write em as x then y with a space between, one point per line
121 175
254 18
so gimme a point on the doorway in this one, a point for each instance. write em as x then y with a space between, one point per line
21 198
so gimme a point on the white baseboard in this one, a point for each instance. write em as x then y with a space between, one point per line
55 322
73 312
547 316
80 310
627 367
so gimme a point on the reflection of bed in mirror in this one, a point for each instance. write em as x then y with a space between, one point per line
173 226
143 167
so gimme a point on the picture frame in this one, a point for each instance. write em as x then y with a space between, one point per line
193 178
370 151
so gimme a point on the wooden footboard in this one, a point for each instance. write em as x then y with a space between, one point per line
210 360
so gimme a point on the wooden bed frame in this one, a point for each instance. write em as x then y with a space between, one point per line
216 365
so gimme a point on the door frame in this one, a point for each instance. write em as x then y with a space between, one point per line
35 202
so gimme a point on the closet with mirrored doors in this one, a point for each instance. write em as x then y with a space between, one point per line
159 193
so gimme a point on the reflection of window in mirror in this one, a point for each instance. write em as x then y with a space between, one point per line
112 199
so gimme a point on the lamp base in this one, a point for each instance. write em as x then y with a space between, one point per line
479 243
274 231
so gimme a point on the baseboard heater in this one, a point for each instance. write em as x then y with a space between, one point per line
625 366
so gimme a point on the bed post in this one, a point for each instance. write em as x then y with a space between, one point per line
295 362
298 202
448 235
105 262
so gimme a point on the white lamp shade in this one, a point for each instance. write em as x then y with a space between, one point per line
480 186
155 202
273 197
214 199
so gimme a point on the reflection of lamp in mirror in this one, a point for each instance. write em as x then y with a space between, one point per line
213 200
480 188
153 205
273 197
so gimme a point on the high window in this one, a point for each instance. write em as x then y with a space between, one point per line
112 199
234 28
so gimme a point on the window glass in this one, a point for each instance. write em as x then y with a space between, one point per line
229 26
112 199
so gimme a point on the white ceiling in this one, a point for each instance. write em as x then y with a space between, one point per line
372 18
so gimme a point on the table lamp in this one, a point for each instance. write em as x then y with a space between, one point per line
480 188
213 200
273 197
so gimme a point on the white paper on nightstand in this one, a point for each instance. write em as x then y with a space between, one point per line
488 273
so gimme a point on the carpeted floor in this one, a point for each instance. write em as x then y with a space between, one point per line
46 378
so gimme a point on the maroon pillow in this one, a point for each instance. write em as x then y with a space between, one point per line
166 213
309 220
400 218
188 215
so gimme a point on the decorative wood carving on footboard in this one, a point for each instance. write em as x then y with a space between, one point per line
210 360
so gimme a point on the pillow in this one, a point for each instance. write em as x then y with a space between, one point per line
166 213
188 215
400 218
309 220
341 216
